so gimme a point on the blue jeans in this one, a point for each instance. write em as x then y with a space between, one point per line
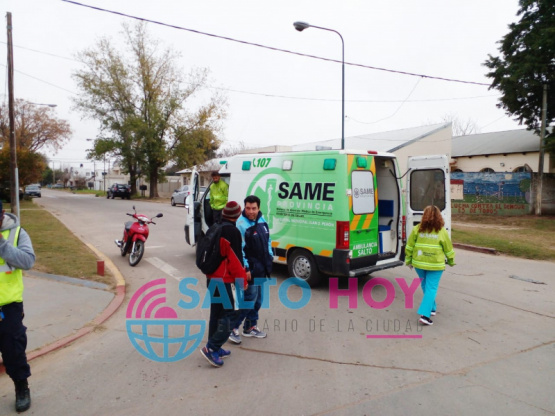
429 283
253 295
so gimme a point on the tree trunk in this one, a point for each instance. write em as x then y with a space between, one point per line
153 185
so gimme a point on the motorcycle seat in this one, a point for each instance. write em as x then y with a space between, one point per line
128 225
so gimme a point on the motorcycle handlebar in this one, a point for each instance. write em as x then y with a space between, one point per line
133 215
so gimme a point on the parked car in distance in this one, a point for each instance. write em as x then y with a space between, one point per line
32 190
57 186
119 190
5 193
179 195
201 192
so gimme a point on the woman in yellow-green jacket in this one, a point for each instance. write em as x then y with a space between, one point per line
428 246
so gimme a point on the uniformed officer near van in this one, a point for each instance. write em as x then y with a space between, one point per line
218 196
16 255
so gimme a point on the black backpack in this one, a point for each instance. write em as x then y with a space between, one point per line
209 256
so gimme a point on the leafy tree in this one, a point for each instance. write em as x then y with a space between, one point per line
139 95
35 126
30 166
526 64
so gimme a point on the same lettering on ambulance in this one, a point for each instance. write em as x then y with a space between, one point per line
308 191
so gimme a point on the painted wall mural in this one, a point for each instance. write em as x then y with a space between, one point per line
491 193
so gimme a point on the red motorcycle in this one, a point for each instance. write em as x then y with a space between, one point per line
134 237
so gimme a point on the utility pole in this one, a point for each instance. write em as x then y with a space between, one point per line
542 152
14 180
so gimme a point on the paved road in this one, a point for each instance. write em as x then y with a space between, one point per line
490 351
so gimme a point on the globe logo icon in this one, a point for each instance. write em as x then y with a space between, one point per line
154 329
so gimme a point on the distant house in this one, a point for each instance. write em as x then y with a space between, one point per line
503 151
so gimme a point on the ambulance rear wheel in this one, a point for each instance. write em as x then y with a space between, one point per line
301 264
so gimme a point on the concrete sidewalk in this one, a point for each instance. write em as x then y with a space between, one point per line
60 309
57 306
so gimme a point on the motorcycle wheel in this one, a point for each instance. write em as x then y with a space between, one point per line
136 253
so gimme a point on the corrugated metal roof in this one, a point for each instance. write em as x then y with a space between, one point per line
388 141
501 142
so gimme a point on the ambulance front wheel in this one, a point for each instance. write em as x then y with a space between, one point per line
301 264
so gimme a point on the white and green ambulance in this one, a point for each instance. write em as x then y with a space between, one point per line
331 212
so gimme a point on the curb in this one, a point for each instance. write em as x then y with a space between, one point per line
485 250
100 319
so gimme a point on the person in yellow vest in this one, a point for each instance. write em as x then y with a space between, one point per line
16 254
427 248
218 196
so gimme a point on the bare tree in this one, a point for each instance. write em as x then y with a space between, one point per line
461 127
231 150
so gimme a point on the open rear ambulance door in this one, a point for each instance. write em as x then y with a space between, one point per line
192 223
428 183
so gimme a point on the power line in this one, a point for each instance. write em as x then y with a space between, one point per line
271 47
41 80
351 101
396 111
44 53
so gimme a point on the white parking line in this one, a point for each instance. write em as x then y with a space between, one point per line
165 267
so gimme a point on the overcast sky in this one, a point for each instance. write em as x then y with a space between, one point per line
276 97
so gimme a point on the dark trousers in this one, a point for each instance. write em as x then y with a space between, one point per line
253 296
222 317
13 342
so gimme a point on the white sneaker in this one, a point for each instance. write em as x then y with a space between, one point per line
235 337
254 332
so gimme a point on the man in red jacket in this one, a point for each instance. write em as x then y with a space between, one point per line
223 314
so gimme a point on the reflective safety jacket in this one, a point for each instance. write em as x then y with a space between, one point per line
16 254
11 280
218 194
427 251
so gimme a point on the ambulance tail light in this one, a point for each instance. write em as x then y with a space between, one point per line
342 235
404 228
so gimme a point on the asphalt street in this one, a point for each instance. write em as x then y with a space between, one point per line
490 351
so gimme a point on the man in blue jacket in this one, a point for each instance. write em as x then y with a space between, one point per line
258 257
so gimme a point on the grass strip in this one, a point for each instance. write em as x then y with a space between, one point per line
58 251
528 237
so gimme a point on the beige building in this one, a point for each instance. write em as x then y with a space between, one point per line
503 151
433 139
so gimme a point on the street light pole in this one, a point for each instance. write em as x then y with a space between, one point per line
14 182
300 26
104 172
